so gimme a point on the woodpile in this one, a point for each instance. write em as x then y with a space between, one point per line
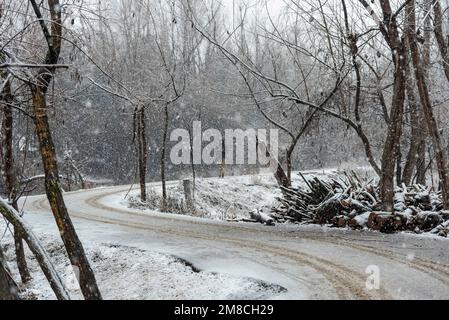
347 201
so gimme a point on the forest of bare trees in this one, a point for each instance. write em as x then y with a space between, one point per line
90 91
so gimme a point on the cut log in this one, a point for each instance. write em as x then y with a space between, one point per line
424 221
331 208
442 230
347 201
262 217
431 221
445 215
360 221
386 222
355 205
340 221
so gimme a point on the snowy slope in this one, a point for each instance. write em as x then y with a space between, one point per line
219 199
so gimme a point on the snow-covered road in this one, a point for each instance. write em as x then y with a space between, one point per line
310 262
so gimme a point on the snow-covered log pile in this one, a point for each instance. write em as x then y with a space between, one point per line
347 201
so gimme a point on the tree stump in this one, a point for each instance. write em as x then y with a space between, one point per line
188 191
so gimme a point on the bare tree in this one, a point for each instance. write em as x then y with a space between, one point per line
439 35
416 135
261 84
39 85
6 101
440 152
11 184
390 30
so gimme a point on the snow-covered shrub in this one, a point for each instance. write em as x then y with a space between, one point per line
174 205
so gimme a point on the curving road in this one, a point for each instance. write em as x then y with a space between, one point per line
310 262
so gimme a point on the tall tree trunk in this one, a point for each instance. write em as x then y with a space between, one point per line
142 151
399 167
422 149
390 153
288 162
73 245
192 162
10 175
441 39
421 169
390 30
39 86
440 154
164 146
391 147
415 136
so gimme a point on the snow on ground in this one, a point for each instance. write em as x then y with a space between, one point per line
218 199
225 199
233 198
131 273
129 262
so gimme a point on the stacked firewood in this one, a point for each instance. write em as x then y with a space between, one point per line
348 201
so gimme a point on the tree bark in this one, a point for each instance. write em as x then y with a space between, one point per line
279 174
421 169
163 153
390 30
415 139
441 40
390 152
399 167
142 151
288 162
192 163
